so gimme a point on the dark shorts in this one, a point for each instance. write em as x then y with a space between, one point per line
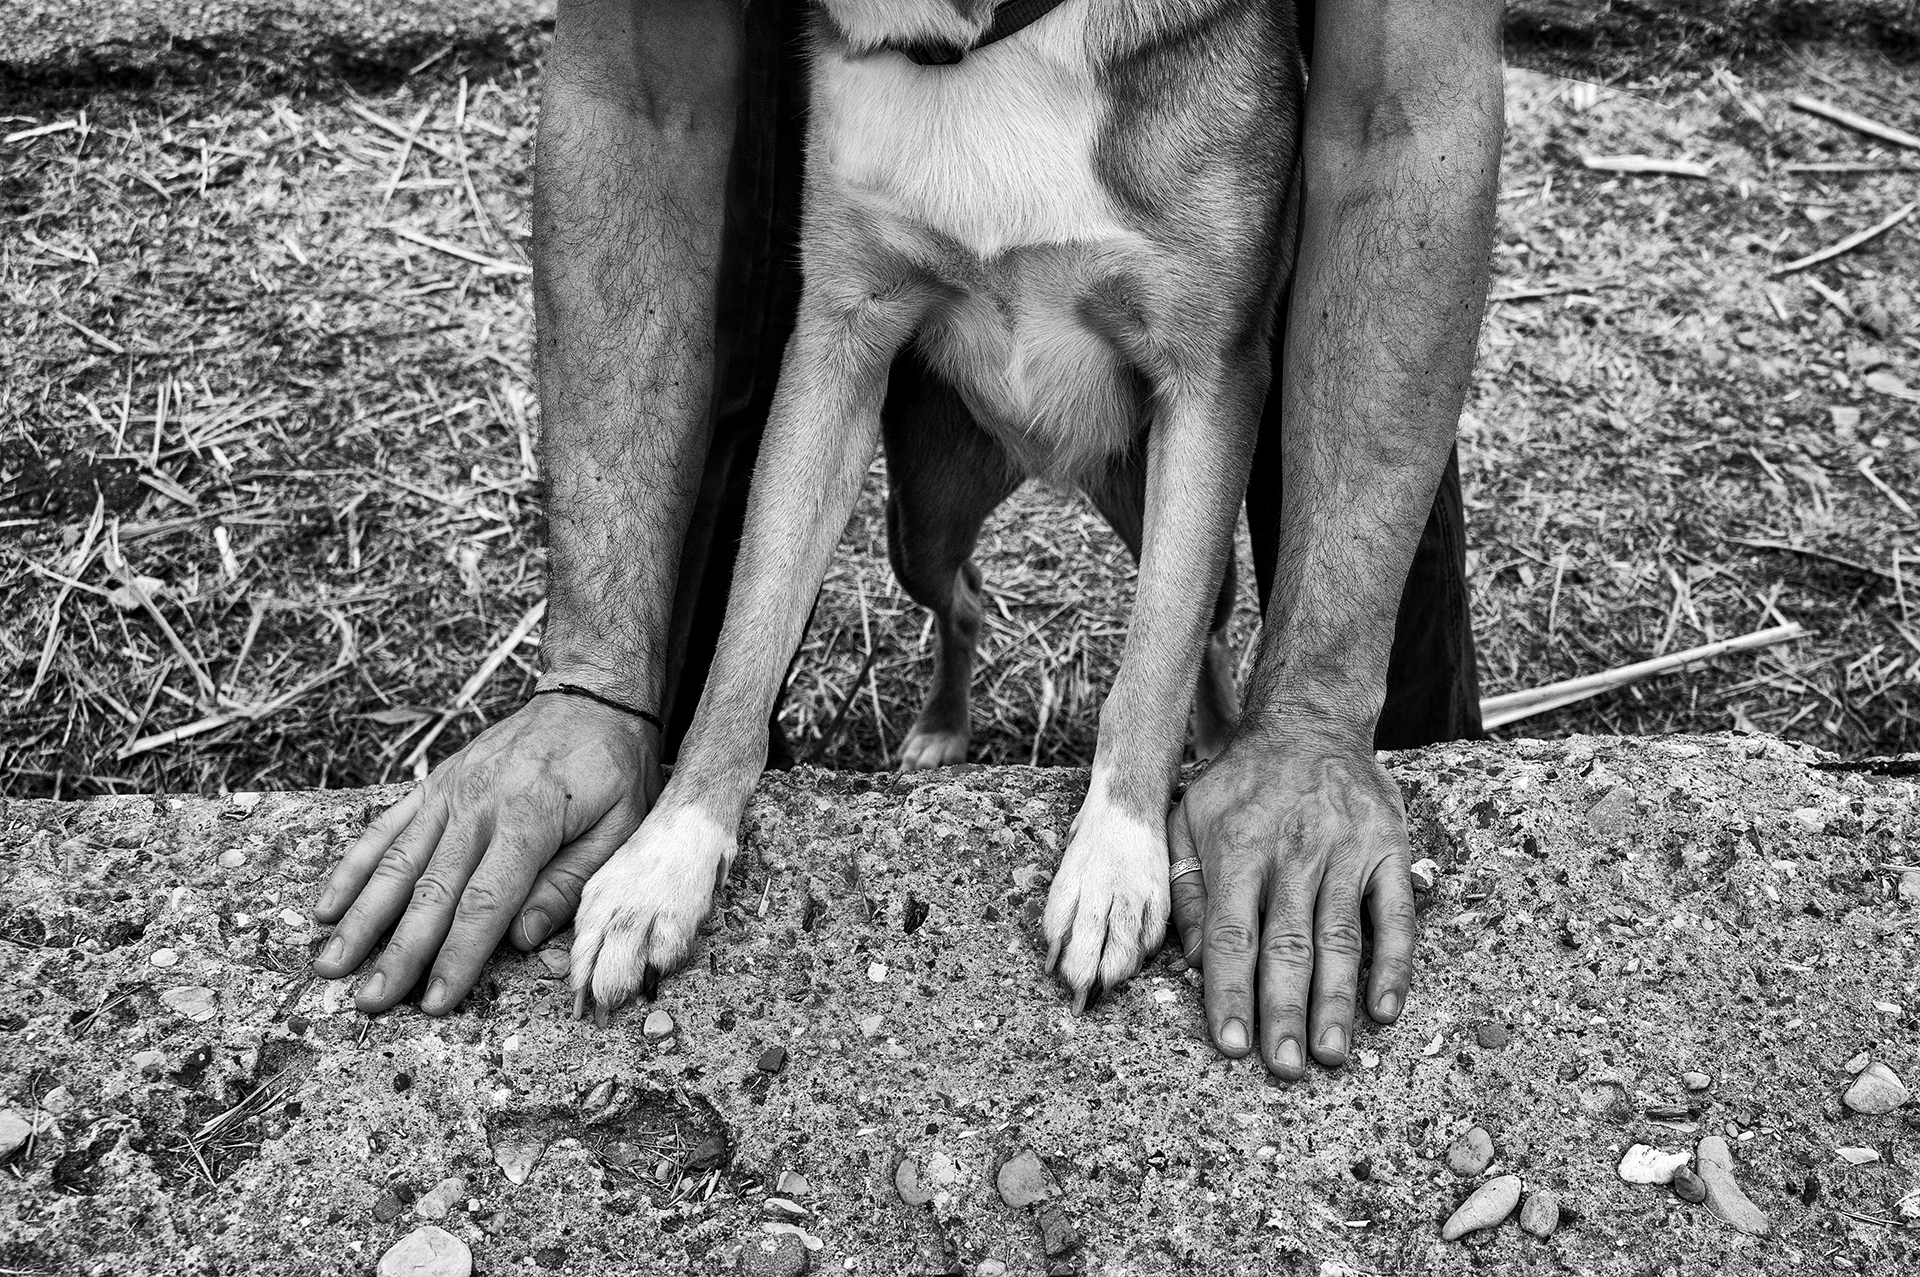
1432 691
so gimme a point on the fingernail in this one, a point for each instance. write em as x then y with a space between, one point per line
375 985
436 992
1233 1035
1389 1005
1334 1041
1289 1055
325 903
336 949
533 925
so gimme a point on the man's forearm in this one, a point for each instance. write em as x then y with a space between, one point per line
636 128
1400 172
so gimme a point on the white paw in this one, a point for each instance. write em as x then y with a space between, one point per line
1108 906
925 748
641 910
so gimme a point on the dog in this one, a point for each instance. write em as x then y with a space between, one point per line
1078 215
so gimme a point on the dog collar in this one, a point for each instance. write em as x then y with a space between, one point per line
1007 19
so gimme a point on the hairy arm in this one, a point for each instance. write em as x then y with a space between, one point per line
1296 825
636 125
636 131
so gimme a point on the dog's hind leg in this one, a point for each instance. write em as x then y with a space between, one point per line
945 475
1120 495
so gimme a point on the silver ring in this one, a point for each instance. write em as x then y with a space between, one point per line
1181 868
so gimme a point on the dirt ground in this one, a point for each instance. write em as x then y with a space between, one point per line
267 355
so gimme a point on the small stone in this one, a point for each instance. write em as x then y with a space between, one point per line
245 800
193 1001
1023 1180
775 1255
163 957
1491 1034
793 1184
59 1101
1611 815
15 1131
232 859
1540 1214
1858 1062
1857 1156
1910 886
1471 1153
558 962
1492 1202
516 1161
1877 1091
1724 1197
658 1025
1057 1235
1695 1081
150 1063
870 1027
773 1060
440 1201
1425 873
783 1208
907 1181
1845 420
1689 1187
427 1251
388 1206
298 1024
990 1268
1643 1164
877 972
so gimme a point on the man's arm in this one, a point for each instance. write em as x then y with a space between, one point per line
1296 825
636 130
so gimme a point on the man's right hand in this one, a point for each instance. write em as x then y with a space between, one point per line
502 835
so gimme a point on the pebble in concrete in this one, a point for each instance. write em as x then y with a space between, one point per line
1057 1235
793 1184
427 1251
558 962
1492 1202
1877 1091
1645 1165
150 1063
1540 1214
907 1182
1471 1153
232 859
1689 1187
440 1201
1696 1081
1724 1196
163 957
1491 1035
192 1001
516 1160
1910 886
658 1025
1022 1179
775 1255
15 1130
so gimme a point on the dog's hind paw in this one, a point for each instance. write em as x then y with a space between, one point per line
641 911
926 748
1107 909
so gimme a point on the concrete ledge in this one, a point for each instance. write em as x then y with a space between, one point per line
1608 916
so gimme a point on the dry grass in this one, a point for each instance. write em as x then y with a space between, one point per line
214 341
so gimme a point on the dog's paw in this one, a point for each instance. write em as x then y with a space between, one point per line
642 909
929 746
1107 909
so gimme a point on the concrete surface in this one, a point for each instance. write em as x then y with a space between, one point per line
1608 916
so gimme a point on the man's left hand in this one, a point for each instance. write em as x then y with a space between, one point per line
1296 830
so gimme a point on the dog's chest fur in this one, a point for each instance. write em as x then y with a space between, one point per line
993 159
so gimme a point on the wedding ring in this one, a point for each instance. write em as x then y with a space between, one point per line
1181 868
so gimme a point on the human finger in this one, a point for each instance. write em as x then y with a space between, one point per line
555 895
1189 889
1231 931
1336 965
1286 965
419 918
357 863
381 895
1390 908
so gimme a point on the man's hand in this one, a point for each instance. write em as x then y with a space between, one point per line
472 851
1295 835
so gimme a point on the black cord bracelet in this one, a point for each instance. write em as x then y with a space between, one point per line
574 689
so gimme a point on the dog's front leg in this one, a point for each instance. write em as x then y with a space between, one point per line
640 911
1108 905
